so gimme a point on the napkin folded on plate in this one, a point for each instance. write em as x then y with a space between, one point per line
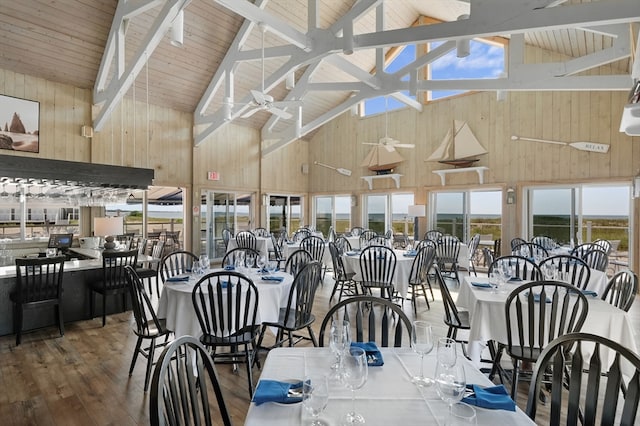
481 285
352 253
374 356
493 397
177 279
272 278
589 293
229 268
514 279
276 391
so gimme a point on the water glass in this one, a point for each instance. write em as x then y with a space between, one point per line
261 262
462 414
250 260
204 263
239 261
354 376
52 252
315 396
272 266
447 353
494 280
450 383
422 344
339 341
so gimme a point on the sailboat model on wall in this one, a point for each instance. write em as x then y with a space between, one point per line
458 147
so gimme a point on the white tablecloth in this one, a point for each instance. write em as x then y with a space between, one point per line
263 245
387 398
401 277
488 320
176 306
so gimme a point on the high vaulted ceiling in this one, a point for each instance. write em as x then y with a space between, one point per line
123 49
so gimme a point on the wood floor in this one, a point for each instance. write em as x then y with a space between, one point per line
82 378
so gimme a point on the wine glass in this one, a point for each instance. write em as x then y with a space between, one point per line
450 384
204 262
239 261
315 396
339 341
462 414
447 353
422 344
261 262
354 376
272 266
494 279
250 260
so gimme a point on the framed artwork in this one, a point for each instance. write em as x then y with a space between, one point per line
19 124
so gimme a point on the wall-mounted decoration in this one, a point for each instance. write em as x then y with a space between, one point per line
19 124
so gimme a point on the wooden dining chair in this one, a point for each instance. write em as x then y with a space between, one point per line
472 246
113 280
366 236
547 242
447 252
344 282
343 244
182 380
234 330
315 246
230 257
433 235
298 314
176 263
419 276
597 259
571 269
530 250
585 389
147 324
521 267
536 313
371 319
621 290
246 239
296 261
38 284
377 270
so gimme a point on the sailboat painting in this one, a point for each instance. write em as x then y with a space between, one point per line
459 147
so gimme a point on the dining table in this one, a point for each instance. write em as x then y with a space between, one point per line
400 281
488 319
387 398
175 303
263 245
290 247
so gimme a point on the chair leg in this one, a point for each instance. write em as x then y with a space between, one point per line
104 310
147 375
333 292
60 319
514 380
19 314
135 355
249 364
313 337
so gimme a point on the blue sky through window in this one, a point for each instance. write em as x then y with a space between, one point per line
485 61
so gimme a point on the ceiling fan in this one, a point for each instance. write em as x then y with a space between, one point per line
389 143
264 102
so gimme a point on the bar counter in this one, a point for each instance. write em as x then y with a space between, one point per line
75 299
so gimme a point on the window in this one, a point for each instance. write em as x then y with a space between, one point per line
333 211
466 213
388 211
580 213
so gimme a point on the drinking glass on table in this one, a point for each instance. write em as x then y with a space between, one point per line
422 344
462 415
272 266
494 279
315 396
250 260
339 342
451 383
446 352
354 376
239 261
204 263
261 261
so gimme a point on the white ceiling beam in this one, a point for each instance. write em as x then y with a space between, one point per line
544 83
107 97
340 86
407 100
591 14
355 71
635 68
427 58
379 28
226 65
274 24
313 14
269 53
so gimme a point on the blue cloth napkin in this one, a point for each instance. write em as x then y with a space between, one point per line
177 279
481 285
589 293
275 391
374 356
229 268
411 253
536 297
515 279
493 397
352 253
273 278
263 270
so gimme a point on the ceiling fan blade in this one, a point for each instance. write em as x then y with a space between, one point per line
369 143
389 148
404 145
250 112
258 97
280 113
